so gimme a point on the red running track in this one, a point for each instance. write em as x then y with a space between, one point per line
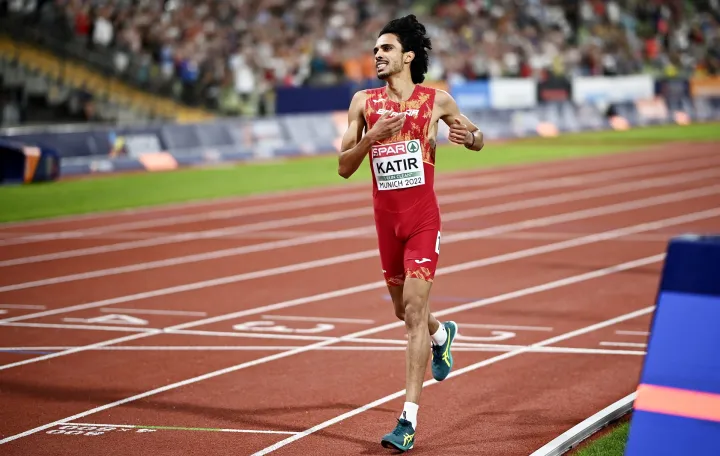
294 349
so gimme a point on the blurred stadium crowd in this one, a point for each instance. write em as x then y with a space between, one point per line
229 55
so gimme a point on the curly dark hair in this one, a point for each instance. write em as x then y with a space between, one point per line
412 37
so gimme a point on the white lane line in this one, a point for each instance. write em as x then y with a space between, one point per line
314 203
179 219
444 180
179 428
363 343
257 335
381 284
331 216
74 326
555 350
318 319
623 344
632 333
508 327
265 235
465 266
10 234
371 348
537 202
175 261
484 302
579 215
127 235
115 310
22 306
207 234
453 374
546 235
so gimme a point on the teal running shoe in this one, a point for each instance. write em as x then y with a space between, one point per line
401 438
442 360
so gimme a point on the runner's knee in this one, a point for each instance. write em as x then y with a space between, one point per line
415 314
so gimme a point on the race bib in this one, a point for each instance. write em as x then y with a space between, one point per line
398 165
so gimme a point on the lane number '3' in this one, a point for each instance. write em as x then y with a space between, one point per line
270 326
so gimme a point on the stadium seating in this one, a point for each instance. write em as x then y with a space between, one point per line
232 57
63 67
277 76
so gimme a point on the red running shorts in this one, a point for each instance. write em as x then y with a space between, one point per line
409 243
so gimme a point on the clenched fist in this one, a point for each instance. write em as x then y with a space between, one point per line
459 134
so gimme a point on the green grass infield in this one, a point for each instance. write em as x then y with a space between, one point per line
121 191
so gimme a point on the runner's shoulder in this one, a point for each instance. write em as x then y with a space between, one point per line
364 94
442 97
359 98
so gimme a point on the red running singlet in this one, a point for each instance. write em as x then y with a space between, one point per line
403 166
407 215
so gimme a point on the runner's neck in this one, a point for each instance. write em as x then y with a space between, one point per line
399 91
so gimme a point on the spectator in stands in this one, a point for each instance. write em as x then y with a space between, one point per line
103 31
193 45
10 111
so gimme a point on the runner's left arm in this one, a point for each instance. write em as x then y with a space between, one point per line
462 130
355 146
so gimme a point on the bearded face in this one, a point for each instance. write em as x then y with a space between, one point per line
389 58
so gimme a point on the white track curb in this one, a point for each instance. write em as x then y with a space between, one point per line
572 437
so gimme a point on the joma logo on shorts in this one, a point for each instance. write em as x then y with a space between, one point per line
409 112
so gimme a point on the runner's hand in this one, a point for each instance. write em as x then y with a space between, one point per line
459 133
386 126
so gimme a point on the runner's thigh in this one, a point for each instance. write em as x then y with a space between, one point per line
422 250
391 251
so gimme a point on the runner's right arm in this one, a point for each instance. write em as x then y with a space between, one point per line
355 146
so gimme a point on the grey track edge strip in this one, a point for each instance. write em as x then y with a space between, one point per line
578 433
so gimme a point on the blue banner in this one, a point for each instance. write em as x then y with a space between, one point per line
672 88
471 96
313 99
676 407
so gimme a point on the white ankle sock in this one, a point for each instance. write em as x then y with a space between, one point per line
410 413
440 335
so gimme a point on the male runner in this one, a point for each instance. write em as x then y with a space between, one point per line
400 122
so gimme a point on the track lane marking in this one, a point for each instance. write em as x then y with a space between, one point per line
559 182
380 284
181 428
353 232
543 221
453 374
481 303
366 347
